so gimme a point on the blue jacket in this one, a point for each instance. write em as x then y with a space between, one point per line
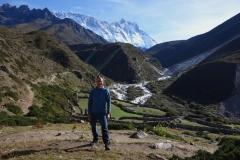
97 101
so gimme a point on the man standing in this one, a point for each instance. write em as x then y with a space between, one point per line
97 110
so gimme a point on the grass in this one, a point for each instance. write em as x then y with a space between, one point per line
233 126
143 110
187 122
116 112
122 102
149 111
16 129
81 94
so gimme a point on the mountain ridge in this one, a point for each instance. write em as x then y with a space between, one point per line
27 20
127 63
121 31
171 55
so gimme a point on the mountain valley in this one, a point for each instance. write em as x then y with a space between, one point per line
48 65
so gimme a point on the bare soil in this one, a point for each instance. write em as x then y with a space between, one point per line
26 143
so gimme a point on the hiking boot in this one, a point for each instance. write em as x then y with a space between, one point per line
94 142
107 145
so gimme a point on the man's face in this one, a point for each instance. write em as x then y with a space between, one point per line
99 83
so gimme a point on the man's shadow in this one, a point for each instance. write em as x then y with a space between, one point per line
15 154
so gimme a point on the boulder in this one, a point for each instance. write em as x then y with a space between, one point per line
162 145
139 134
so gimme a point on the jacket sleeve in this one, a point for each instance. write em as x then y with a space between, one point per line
90 102
108 102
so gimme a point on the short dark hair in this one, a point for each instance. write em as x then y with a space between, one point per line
99 76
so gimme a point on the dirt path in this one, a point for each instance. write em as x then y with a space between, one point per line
27 101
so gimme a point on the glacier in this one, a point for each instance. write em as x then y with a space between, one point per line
122 31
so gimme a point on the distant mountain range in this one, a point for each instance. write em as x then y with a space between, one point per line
122 31
66 30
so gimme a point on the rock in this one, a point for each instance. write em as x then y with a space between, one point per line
158 157
60 133
162 145
139 134
191 143
180 147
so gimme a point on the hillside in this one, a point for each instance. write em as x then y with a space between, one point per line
120 62
214 81
36 69
170 53
66 30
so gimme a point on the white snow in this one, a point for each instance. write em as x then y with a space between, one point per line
122 31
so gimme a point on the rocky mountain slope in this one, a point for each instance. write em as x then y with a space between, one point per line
213 81
120 62
27 20
121 31
171 53
32 63
207 67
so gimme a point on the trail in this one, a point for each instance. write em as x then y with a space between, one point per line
28 101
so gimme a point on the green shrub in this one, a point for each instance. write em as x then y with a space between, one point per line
134 92
158 130
3 116
188 133
120 126
34 111
171 113
229 149
14 109
20 64
2 54
1 96
12 94
15 120
53 99
14 78
203 135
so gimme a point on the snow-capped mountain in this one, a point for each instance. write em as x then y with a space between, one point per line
122 31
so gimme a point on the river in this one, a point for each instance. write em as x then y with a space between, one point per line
121 90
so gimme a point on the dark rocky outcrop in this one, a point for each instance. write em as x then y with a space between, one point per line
120 62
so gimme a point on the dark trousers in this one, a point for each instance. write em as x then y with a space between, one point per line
104 124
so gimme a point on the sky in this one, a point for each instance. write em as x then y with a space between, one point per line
163 20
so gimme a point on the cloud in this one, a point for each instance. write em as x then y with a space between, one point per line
78 7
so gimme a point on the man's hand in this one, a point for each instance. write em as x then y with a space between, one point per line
89 116
108 116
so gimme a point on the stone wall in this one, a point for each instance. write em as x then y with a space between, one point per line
210 124
197 128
